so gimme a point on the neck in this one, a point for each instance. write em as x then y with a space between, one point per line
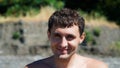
64 63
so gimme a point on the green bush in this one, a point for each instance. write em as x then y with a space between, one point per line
89 36
16 35
94 42
90 40
18 7
115 49
118 44
59 5
96 32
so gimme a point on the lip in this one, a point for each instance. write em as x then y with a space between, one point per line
63 51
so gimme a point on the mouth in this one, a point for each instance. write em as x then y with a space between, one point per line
63 51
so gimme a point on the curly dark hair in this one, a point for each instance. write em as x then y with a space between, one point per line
66 18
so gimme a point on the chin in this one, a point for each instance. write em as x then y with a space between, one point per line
65 56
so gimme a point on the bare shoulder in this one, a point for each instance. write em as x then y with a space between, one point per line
93 63
43 63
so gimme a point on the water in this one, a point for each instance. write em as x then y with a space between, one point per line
112 62
16 61
21 61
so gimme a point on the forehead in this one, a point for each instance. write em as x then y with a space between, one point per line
66 30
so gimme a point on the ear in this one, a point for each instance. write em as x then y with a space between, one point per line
48 34
82 37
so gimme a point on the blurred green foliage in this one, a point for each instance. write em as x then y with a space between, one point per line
111 9
96 32
90 40
16 35
89 36
115 48
108 8
17 7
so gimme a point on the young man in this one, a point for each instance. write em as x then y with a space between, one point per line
65 33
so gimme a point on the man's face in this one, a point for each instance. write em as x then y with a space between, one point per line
64 41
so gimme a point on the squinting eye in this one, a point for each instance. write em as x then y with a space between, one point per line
56 36
70 37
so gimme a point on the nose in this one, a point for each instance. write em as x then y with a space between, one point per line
64 42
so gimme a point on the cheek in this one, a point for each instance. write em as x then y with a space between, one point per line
73 45
54 39
53 43
75 42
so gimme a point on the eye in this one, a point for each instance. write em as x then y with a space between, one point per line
57 36
70 37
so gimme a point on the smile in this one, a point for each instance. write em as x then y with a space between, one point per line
63 51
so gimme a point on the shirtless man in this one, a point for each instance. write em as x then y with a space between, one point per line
65 33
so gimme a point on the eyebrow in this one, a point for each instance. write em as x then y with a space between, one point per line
72 35
57 33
